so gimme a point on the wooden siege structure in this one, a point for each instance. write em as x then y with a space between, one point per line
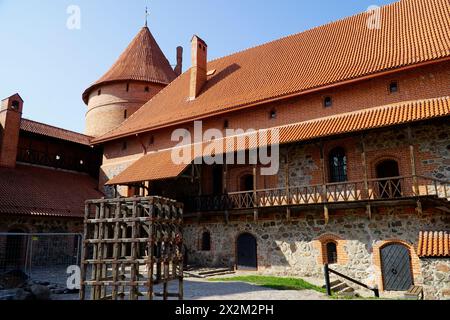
132 246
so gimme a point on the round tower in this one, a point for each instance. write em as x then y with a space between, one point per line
139 74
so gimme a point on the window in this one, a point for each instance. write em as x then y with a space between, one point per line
393 87
125 114
124 145
206 241
226 124
99 92
128 87
273 114
332 257
338 165
247 183
152 140
327 102
147 89
15 105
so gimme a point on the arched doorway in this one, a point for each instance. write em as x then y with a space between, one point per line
217 180
247 183
389 188
15 249
396 267
247 252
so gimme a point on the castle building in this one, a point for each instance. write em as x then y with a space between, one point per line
46 175
362 117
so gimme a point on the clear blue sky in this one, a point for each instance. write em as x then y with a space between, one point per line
50 65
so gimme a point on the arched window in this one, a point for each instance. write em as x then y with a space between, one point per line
15 105
338 165
332 257
247 183
206 241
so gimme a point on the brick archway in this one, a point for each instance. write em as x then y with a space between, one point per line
320 244
415 261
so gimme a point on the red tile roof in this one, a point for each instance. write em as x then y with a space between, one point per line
434 244
159 165
54 132
36 191
143 60
154 166
412 32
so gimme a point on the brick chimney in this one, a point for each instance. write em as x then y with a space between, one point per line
179 68
199 65
10 118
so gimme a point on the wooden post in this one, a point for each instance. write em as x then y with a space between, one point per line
115 266
255 193
366 175
327 280
413 163
287 186
324 182
84 263
225 179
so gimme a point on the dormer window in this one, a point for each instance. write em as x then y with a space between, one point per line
15 105
99 92
327 102
273 114
393 87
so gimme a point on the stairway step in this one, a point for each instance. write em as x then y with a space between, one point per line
333 284
219 274
212 271
339 288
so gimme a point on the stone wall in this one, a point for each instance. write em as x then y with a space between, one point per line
436 278
291 247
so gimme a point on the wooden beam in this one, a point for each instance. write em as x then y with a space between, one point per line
419 208
365 174
412 155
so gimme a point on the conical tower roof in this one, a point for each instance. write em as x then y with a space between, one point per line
143 60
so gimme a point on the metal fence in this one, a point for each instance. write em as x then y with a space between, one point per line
42 256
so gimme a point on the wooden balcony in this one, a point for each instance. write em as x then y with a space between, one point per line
357 192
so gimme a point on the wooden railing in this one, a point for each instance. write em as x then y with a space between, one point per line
365 190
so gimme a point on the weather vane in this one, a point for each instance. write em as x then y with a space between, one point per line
146 15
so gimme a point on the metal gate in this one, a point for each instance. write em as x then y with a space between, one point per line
247 252
396 267
41 256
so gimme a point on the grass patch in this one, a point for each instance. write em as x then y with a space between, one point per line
277 283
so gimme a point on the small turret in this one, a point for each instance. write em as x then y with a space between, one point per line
138 75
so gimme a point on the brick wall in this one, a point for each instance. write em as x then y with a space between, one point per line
106 110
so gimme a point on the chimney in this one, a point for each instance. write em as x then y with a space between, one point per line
10 118
179 68
199 65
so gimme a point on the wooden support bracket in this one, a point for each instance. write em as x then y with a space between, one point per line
369 211
326 214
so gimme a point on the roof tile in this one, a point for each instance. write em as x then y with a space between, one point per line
434 244
54 132
412 32
143 60
29 190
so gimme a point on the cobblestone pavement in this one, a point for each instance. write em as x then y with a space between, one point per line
199 289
